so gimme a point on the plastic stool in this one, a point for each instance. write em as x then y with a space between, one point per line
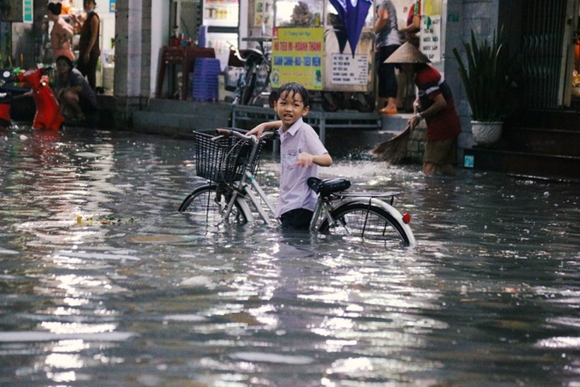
191 54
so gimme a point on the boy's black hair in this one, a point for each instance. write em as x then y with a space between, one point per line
55 8
66 59
295 88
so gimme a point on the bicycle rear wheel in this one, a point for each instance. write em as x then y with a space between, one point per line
248 91
363 222
205 205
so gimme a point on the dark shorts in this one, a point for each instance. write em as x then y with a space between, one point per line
387 78
441 152
298 219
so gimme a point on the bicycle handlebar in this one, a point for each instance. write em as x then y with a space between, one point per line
237 133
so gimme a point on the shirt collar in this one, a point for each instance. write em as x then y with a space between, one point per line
294 128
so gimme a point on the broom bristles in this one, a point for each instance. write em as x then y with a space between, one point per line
394 148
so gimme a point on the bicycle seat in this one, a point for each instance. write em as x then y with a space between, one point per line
252 55
327 186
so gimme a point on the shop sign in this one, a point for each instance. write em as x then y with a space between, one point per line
349 70
297 56
27 11
431 38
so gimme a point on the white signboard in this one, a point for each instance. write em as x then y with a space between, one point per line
349 70
431 38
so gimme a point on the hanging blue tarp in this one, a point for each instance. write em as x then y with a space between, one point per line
353 14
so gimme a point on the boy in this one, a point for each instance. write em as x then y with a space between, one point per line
301 152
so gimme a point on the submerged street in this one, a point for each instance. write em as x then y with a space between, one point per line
104 283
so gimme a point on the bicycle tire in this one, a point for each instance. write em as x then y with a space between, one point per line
248 90
331 102
201 205
364 222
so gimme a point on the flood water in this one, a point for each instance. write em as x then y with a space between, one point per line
104 283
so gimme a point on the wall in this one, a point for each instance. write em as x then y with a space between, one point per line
463 16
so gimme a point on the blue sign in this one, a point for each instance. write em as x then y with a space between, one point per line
27 11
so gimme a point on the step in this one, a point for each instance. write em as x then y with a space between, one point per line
218 108
554 167
177 124
562 142
546 119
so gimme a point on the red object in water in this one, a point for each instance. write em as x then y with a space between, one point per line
4 114
47 107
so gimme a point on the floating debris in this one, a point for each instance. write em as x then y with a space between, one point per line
106 220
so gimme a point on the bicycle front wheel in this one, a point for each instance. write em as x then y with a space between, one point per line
204 204
364 222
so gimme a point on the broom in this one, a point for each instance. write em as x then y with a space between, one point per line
394 148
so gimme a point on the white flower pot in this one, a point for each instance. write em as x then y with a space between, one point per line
486 133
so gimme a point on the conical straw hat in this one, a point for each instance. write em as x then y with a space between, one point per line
407 53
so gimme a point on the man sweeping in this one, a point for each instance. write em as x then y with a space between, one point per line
435 105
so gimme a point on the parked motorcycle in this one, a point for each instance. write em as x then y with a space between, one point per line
5 99
48 114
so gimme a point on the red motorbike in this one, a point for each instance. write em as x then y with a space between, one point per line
48 114
5 100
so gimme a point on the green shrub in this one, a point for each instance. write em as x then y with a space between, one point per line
489 77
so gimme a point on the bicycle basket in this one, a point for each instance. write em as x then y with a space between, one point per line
223 159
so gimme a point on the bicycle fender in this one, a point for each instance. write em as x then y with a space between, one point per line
246 209
390 209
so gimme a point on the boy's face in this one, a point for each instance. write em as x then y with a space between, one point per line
290 108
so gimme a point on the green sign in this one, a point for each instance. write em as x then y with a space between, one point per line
27 11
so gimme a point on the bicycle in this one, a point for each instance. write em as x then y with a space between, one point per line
228 162
255 79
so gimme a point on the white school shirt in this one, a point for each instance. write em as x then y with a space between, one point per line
294 192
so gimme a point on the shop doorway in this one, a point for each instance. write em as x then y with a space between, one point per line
573 65
550 47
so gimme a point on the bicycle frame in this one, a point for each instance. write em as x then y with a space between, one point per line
241 192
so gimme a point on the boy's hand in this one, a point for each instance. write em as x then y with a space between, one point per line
305 159
259 129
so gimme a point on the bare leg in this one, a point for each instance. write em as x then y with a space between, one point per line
72 100
429 168
433 169
402 89
447 169
381 102
392 104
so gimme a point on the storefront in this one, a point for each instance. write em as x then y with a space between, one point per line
549 46
310 42
25 36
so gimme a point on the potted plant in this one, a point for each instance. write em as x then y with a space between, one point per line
488 76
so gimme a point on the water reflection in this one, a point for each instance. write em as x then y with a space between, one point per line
99 275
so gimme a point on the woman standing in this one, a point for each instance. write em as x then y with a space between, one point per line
386 42
89 46
61 33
